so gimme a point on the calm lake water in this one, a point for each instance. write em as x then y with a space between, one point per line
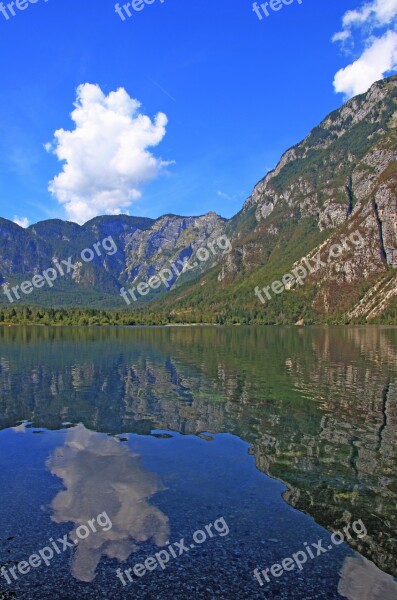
277 437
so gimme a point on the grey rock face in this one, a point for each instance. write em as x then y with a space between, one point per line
144 247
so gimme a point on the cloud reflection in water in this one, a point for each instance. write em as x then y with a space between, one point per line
101 475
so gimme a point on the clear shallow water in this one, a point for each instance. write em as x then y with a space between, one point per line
313 408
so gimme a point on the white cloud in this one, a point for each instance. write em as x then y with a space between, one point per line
379 50
379 12
377 60
21 221
341 36
106 157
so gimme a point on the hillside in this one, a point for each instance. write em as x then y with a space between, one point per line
136 248
342 179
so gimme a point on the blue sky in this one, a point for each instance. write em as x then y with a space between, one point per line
231 93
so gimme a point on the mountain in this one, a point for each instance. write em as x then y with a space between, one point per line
135 248
322 225
340 181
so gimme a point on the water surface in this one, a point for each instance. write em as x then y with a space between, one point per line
286 434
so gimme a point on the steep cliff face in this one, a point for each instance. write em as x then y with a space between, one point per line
340 181
342 177
170 239
338 165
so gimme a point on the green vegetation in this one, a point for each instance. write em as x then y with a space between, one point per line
26 315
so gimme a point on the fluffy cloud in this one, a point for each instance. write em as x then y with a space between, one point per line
373 14
373 27
378 59
106 157
21 221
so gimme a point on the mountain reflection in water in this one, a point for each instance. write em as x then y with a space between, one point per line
318 406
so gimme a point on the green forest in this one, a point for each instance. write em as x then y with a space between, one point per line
227 315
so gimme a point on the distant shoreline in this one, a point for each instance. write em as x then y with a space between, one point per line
196 325
191 316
